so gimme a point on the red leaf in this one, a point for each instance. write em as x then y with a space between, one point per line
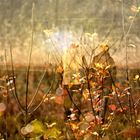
112 107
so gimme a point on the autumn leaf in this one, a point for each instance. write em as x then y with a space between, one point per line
131 17
92 84
38 126
89 117
99 65
73 46
70 85
85 94
107 67
23 131
137 77
138 121
134 9
48 33
27 129
59 100
112 107
74 126
52 133
51 125
95 133
2 108
60 69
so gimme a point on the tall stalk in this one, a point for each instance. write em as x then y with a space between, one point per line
90 94
29 64
14 82
6 136
125 35
36 92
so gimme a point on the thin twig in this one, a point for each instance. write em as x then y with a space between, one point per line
74 103
45 95
14 82
7 93
125 35
90 95
36 92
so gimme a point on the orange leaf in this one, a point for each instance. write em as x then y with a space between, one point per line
59 100
112 107
73 46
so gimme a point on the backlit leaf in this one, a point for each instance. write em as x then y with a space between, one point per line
137 77
52 133
2 108
138 121
38 126
134 9
112 107
23 131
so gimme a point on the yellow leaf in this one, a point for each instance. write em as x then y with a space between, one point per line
52 133
95 133
134 9
113 88
70 85
51 125
138 8
107 67
136 77
59 69
38 126
74 126
138 121
131 17
98 65
48 32
92 84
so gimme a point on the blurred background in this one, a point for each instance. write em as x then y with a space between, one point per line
58 23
